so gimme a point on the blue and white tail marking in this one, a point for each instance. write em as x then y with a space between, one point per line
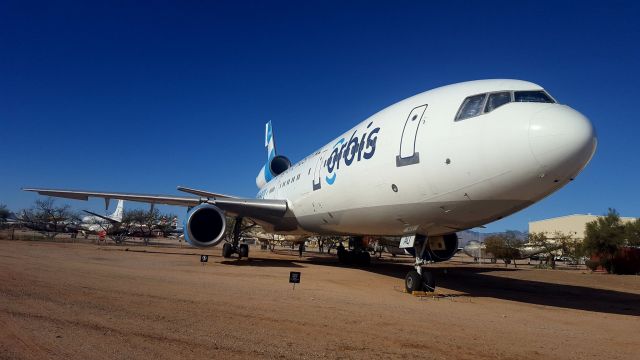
275 164
269 142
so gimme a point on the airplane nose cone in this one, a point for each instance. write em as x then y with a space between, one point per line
562 140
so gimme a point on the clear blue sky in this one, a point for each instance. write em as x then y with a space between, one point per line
143 97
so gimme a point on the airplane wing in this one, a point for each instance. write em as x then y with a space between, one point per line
261 209
102 217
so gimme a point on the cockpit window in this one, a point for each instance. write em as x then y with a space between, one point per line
532 96
472 106
496 100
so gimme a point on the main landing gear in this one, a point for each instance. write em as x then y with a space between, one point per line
417 279
358 256
228 249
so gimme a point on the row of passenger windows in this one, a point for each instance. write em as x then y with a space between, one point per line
483 103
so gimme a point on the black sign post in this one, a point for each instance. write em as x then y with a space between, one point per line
204 259
294 278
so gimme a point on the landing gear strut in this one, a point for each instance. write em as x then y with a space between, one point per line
358 256
228 249
417 279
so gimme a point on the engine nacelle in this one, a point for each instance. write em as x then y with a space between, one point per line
442 247
273 168
204 226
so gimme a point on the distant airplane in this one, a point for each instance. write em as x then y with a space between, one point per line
96 222
442 161
478 250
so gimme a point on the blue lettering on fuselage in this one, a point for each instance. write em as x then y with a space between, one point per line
353 150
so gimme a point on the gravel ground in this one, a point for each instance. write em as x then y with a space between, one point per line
83 301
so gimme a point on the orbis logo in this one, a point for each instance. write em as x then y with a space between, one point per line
356 149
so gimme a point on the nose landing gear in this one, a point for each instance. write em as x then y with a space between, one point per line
417 279
414 281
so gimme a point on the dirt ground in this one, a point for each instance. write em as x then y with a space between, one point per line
82 301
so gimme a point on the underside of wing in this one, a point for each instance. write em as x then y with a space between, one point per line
260 209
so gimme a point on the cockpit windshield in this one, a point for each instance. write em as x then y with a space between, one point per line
532 96
485 103
496 100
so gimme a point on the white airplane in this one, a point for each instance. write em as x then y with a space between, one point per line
96 222
448 159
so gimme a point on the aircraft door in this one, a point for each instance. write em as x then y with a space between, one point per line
317 171
407 154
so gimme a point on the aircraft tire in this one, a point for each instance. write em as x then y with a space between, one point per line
413 282
227 250
428 281
244 250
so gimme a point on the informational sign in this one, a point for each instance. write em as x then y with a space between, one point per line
204 258
407 241
294 277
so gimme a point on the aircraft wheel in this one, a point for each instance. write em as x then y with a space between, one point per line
428 281
413 282
227 250
244 250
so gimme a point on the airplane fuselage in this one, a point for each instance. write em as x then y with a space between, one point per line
415 168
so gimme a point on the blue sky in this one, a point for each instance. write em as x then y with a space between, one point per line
141 97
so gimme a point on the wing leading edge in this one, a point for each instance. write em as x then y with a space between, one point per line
261 209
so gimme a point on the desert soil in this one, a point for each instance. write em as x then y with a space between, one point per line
82 301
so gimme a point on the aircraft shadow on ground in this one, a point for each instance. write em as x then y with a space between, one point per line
262 262
479 282
475 282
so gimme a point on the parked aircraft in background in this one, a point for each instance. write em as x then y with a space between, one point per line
478 250
95 222
445 160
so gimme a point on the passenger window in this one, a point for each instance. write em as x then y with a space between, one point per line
532 96
496 100
471 106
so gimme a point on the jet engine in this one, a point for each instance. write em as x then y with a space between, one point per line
274 167
442 248
204 226
439 248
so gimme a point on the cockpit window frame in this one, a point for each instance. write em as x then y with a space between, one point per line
553 101
511 99
486 99
484 102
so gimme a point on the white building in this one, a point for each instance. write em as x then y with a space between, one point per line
573 225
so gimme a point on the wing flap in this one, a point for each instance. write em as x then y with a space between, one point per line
203 193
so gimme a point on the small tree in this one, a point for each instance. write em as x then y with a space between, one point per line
4 213
49 219
504 246
551 245
570 247
141 222
604 237
632 232
166 224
